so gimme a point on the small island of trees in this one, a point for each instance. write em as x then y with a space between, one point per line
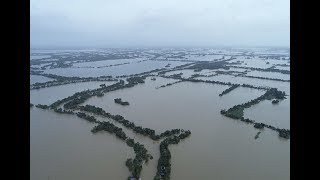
119 101
276 101
257 135
41 106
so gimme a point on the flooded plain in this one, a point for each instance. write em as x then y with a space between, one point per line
127 69
62 146
39 79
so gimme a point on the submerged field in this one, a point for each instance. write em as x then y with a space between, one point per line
172 109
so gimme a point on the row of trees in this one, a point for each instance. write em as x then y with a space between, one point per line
218 82
62 80
175 76
120 64
236 112
106 126
73 101
229 89
141 153
266 78
41 106
128 124
181 67
164 165
63 111
87 117
143 73
169 84
208 65
271 69
135 165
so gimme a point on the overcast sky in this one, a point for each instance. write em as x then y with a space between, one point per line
149 23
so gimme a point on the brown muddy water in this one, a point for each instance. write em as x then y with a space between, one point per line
63 147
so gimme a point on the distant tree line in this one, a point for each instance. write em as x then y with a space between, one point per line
62 80
266 78
218 82
169 84
271 69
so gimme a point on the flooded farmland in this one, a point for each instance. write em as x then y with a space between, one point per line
185 94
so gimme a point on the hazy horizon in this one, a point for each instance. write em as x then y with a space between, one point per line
159 23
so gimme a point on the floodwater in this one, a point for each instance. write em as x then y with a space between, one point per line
277 115
62 146
133 68
254 62
275 75
51 94
219 147
282 86
107 62
283 68
39 57
39 79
